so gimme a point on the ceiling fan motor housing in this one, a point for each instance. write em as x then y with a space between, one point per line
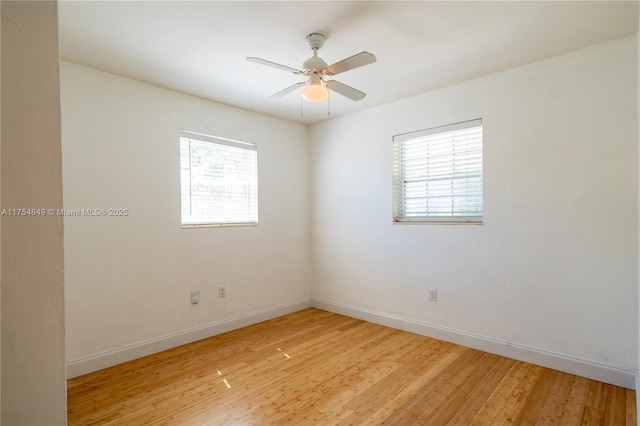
314 64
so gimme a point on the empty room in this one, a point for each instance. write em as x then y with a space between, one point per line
318 212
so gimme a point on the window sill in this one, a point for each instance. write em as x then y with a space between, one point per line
216 225
433 222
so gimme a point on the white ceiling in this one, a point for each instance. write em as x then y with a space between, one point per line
199 47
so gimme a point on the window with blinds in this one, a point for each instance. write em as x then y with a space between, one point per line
219 181
437 174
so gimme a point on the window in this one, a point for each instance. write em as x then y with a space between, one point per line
437 174
219 180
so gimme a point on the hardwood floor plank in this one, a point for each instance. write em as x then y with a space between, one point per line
479 395
573 410
510 395
615 412
317 368
553 408
432 395
537 398
385 400
469 391
594 410
630 408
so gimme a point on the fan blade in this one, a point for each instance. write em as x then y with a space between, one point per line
355 61
274 65
344 90
288 90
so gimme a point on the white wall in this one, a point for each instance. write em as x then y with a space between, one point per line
128 279
554 268
33 358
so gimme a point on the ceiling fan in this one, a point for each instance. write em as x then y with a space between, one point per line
315 69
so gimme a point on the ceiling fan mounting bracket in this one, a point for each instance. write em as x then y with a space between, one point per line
316 40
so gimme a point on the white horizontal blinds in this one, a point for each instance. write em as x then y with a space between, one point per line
438 174
219 180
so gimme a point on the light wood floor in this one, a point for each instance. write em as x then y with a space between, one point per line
318 368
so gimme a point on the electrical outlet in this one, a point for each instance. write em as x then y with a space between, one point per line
222 292
433 295
195 297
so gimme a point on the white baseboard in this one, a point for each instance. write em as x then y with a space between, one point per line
99 361
592 370
601 372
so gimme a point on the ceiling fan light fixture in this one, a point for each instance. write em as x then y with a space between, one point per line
315 92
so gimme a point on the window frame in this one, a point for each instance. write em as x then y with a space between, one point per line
400 181
221 142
